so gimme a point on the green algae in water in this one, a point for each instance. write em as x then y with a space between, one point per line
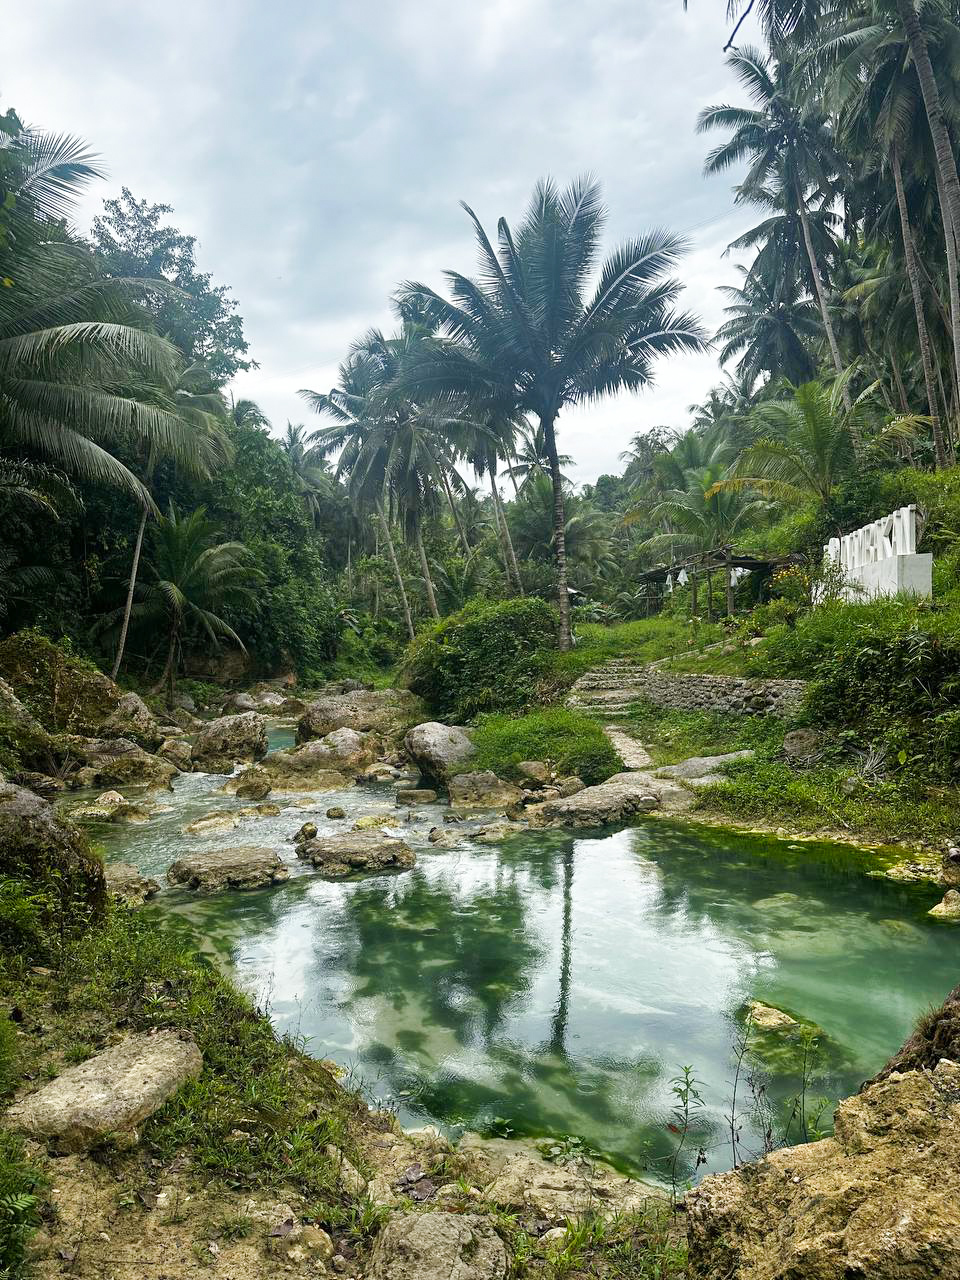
556 984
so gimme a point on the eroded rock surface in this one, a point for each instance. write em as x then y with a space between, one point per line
384 711
110 1094
36 846
125 882
619 798
437 748
115 762
438 1246
239 868
134 719
229 741
949 908
698 767
877 1200
356 851
482 790
322 764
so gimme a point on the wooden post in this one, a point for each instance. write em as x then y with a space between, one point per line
709 593
693 592
729 571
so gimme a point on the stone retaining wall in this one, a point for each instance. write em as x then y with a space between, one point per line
733 694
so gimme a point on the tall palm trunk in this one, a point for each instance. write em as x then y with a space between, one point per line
913 275
392 551
169 678
128 607
376 576
950 236
509 555
547 421
943 149
824 310
349 568
461 532
425 570
898 379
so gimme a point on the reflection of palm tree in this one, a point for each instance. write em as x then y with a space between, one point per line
558 1026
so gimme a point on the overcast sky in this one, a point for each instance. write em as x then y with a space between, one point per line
318 151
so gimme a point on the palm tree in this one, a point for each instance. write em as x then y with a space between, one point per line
805 445
528 338
769 324
532 458
586 530
791 150
191 575
309 468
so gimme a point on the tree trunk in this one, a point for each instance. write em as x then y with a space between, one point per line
901 389
913 276
425 570
559 532
561 1012
376 576
950 236
943 149
513 479
461 533
168 678
128 607
349 569
391 549
513 569
824 311
693 594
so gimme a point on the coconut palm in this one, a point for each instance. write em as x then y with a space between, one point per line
770 325
529 336
531 458
787 140
309 468
586 531
190 576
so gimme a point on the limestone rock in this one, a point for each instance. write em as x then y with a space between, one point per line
177 752
422 795
252 783
308 831
877 1200
357 851
619 798
802 746
384 711
482 790
114 762
570 786
373 821
496 832
522 1180
32 740
949 908
321 765
237 703
37 846
701 766
108 807
244 867
336 812
110 1094
765 1017
229 741
125 882
134 719
950 869
937 1036
536 770
436 748
438 1246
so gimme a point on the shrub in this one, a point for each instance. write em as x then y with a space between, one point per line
571 741
19 1184
488 657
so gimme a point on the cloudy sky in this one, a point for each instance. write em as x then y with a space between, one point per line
318 150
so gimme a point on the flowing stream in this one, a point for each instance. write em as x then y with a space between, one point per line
557 983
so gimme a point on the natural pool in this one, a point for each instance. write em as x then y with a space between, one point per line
556 984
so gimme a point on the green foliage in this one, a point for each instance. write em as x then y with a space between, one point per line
20 1188
574 743
671 735
63 690
488 657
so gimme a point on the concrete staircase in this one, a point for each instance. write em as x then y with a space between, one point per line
608 690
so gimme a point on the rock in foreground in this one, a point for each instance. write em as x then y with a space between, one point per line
37 847
482 790
357 851
438 1246
239 868
109 1094
229 741
619 798
877 1200
436 748
125 882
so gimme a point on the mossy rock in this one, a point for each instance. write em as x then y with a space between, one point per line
779 1039
52 879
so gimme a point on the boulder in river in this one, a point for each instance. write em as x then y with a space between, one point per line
387 712
40 848
482 790
134 719
237 703
252 783
438 1246
416 795
949 908
355 852
111 806
125 882
110 1094
177 752
436 749
537 771
316 766
114 762
877 1200
211 871
619 798
701 766
231 740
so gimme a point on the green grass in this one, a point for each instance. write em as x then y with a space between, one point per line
713 662
645 641
573 742
670 736
647 1245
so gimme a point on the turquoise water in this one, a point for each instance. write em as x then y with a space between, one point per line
557 983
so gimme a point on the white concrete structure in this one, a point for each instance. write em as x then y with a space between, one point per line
881 559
